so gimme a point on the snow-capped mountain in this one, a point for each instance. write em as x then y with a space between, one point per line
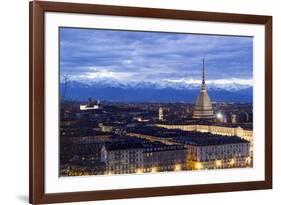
163 84
161 91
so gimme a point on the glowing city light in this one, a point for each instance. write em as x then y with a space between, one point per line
153 169
248 160
177 167
198 166
232 162
138 171
219 116
218 163
83 107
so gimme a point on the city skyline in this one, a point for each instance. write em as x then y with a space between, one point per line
137 119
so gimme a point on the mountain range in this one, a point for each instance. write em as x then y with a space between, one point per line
164 91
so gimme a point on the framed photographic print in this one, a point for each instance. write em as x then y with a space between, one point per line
139 102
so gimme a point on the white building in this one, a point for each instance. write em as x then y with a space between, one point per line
215 152
219 156
91 105
161 114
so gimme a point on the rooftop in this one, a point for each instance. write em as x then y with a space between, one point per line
189 137
206 139
123 145
141 144
159 146
248 126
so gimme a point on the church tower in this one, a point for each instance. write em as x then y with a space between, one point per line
160 114
203 106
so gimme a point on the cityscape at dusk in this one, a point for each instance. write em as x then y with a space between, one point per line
135 102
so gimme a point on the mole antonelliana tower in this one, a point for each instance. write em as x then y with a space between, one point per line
203 106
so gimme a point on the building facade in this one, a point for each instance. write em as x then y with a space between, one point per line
218 156
160 157
142 158
122 158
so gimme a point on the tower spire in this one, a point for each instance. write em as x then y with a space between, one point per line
203 85
203 72
203 106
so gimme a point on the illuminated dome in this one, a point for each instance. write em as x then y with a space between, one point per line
203 106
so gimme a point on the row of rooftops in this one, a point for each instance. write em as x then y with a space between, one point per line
117 141
248 126
178 136
158 146
207 140
144 145
191 121
189 137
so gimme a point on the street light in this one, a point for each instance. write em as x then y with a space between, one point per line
177 167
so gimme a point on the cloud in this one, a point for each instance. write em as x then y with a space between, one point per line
125 56
102 74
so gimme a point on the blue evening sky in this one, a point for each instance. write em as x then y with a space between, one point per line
127 56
